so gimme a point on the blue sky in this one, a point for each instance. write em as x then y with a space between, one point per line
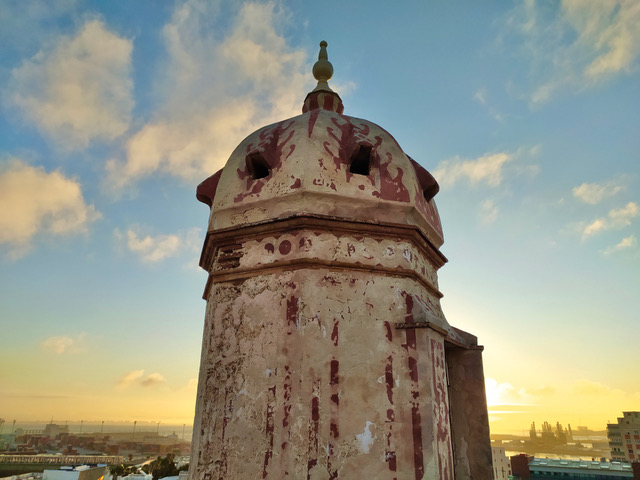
527 114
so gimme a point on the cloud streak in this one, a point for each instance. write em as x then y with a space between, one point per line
616 219
137 377
78 91
487 169
576 44
594 193
155 248
624 244
62 344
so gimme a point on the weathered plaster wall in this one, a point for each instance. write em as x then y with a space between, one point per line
470 422
305 376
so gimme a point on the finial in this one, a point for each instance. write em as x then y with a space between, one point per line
322 69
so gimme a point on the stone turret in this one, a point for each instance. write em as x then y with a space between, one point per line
326 353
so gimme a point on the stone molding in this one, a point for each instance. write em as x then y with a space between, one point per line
312 241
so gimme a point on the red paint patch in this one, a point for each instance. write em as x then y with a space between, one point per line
272 149
206 191
388 378
269 429
387 327
269 247
284 247
416 419
296 184
313 116
292 314
361 187
334 333
313 430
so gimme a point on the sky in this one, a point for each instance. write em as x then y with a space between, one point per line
527 113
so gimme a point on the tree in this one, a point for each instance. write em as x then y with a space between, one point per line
162 467
121 470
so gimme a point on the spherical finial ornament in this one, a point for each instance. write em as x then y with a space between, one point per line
322 69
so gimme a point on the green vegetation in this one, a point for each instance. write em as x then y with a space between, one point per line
162 467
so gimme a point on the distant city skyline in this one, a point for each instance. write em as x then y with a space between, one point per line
526 113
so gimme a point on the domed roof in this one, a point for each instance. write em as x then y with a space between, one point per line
322 163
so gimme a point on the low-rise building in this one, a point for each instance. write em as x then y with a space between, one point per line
624 437
544 468
501 464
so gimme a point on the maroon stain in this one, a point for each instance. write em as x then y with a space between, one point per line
350 249
287 397
391 188
292 314
409 302
416 419
284 247
387 327
388 377
296 184
269 247
206 191
441 410
304 242
334 333
269 429
361 187
313 117
313 430
272 148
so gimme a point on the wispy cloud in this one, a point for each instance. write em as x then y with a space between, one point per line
575 44
130 377
615 219
78 91
138 377
486 169
624 244
488 212
482 96
594 193
152 379
63 344
220 86
154 248
33 201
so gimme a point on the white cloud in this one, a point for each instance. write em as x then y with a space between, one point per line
57 344
488 212
63 344
506 394
221 85
481 96
152 379
138 377
594 193
486 169
130 377
78 91
33 201
577 43
624 244
615 220
159 247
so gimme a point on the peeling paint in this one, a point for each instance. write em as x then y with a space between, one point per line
366 438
